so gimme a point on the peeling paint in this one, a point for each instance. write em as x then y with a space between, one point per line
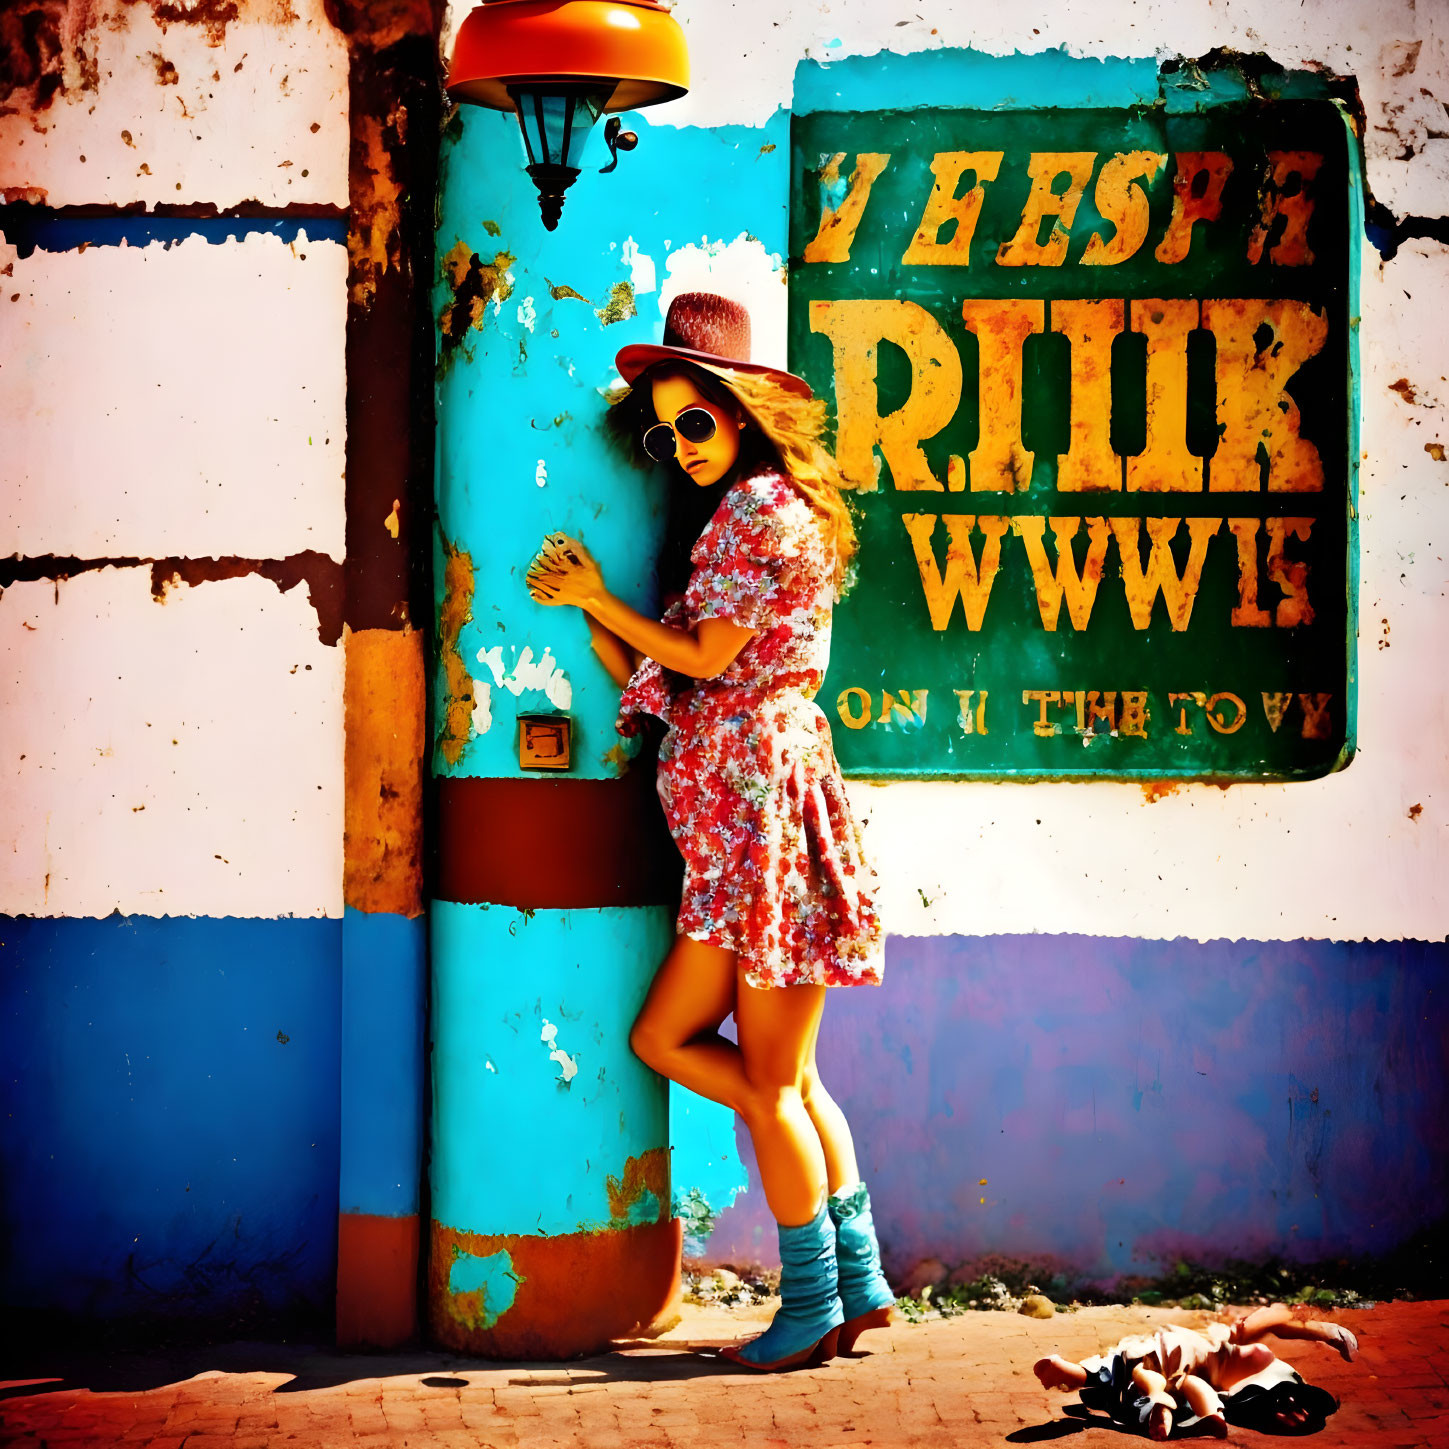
619 306
481 1290
568 1066
374 239
527 673
558 293
475 284
643 1186
641 267
455 612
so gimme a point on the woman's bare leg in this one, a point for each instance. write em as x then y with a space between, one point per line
1285 1322
841 1169
775 1026
676 1031
1202 1399
1056 1372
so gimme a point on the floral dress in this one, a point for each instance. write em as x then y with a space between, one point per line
774 865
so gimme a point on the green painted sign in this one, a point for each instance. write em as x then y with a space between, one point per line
1090 377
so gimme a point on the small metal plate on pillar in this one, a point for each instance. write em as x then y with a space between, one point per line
544 741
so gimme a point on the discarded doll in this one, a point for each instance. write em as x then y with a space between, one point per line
1178 1376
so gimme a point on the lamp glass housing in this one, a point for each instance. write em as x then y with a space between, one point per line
556 119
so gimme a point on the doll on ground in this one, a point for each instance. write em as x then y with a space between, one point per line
779 899
1178 1376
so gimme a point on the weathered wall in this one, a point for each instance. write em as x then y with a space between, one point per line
1156 1023
172 403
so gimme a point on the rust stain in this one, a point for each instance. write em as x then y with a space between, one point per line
165 71
475 283
1155 790
1405 390
383 705
563 290
1415 811
47 49
456 610
620 305
1435 451
323 576
212 15
374 240
377 24
492 228
575 1292
649 1172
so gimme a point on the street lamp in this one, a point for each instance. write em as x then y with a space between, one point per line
558 65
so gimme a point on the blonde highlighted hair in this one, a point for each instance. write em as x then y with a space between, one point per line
792 425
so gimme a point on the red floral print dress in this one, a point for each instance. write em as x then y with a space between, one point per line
774 865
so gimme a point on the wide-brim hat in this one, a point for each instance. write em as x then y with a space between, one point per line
709 330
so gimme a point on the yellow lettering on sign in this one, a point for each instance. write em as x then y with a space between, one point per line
1286 193
832 242
853 715
1290 575
1045 167
1221 722
1261 345
1273 707
1045 699
1247 615
856 329
1089 464
1196 697
1160 576
962 577
1165 465
1123 202
1000 461
1053 585
1315 716
971 724
909 705
1135 714
1092 707
943 206
1197 195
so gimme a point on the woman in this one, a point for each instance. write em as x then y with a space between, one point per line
778 899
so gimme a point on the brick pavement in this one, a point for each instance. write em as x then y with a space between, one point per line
961 1381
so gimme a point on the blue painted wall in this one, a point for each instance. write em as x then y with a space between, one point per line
169 1088
1106 1107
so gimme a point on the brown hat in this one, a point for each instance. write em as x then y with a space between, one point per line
707 329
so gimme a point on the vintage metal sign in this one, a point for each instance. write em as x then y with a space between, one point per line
1090 372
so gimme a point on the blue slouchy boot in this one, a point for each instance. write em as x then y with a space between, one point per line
804 1329
867 1299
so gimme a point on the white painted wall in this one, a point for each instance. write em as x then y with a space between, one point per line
1346 857
183 112
186 400
180 756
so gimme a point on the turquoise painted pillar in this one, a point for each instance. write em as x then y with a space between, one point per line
552 1229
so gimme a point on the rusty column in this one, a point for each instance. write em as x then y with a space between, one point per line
394 93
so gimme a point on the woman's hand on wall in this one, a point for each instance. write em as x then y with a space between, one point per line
563 571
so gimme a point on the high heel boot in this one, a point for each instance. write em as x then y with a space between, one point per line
867 1299
804 1329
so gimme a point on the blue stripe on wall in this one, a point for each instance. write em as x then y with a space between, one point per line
170 1092
383 982
1106 1107
53 233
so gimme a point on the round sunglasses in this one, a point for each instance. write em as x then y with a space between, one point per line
695 425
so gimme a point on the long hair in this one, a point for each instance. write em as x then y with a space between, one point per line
782 428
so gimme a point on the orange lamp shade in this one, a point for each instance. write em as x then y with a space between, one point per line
633 50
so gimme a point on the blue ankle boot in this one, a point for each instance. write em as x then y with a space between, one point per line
867 1299
804 1329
